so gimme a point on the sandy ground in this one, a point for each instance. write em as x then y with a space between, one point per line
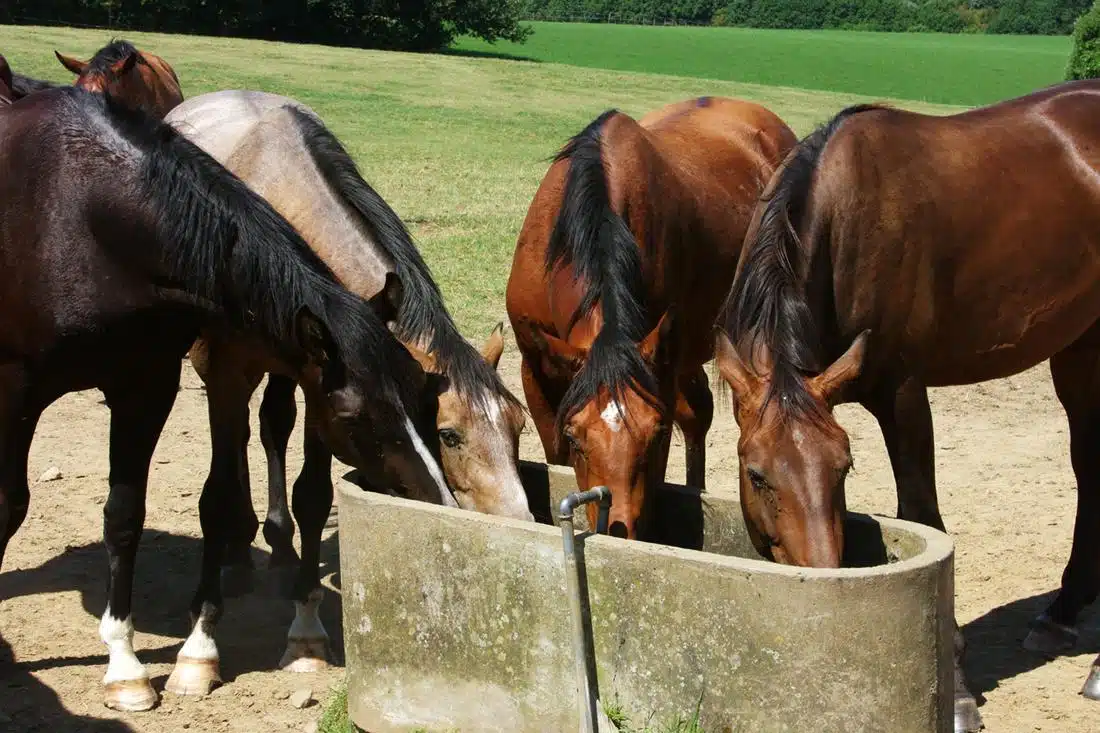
1006 489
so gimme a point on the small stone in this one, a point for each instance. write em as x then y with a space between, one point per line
301 698
53 473
310 727
281 694
185 726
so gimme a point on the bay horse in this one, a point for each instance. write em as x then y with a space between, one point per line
121 242
621 267
897 251
282 150
138 78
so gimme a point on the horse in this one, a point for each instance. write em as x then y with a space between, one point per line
894 252
121 243
139 78
284 152
620 270
19 85
7 96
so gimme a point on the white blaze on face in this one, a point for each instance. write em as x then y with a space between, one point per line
433 467
118 635
613 416
512 497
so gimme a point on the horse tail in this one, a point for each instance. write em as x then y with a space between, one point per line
767 304
422 317
591 237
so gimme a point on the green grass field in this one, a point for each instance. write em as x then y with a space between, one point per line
456 145
934 67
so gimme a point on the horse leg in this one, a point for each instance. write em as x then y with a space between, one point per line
905 418
544 413
18 420
307 647
694 414
1076 373
278 412
138 414
227 521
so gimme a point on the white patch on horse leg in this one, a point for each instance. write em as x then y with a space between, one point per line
613 416
307 640
197 665
118 635
433 467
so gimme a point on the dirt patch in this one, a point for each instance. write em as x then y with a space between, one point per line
1006 490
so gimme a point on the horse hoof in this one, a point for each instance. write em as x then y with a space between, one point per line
305 655
131 696
1050 637
193 677
967 717
237 580
1091 690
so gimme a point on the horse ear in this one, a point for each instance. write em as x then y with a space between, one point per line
387 301
122 67
5 73
658 347
742 381
842 371
494 346
73 65
559 358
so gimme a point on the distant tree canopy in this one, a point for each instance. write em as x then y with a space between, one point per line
415 25
1051 17
1084 62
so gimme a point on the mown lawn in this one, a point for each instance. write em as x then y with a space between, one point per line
457 145
935 67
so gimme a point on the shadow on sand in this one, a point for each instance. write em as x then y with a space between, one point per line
251 635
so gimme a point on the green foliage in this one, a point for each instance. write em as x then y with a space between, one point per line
393 24
1084 62
1047 17
335 717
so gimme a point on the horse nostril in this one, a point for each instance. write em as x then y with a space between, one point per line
618 529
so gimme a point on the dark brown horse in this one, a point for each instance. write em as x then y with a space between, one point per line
896 251
7 95
122 241
620 270
137 78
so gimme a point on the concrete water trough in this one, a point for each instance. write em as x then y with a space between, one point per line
456 621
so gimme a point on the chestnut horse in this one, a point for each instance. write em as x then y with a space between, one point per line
621 268
139 79
121 242
896 251
283 151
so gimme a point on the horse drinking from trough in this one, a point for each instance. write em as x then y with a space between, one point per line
121 242
283 151
621 268
896 251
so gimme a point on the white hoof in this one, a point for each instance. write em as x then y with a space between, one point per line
132 696
193 676
305 655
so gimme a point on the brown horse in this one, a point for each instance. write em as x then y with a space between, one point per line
140 79
620 270
896 251
7 95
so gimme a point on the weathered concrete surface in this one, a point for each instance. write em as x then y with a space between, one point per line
458 621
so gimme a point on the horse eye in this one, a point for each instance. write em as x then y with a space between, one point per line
758 481
450 437
572 438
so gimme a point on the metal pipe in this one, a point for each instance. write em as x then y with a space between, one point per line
585 694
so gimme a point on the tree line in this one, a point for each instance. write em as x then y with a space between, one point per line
1045 17
414 25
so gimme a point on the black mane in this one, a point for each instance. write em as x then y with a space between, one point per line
767 304
597 243
226 246
24 85
111 54
422 317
